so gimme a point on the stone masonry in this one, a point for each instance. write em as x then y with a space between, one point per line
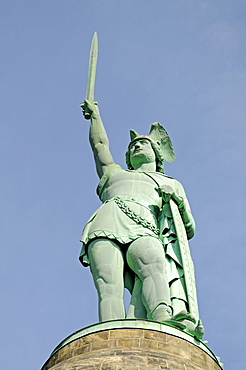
130 349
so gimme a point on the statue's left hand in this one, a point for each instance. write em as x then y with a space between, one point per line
167 193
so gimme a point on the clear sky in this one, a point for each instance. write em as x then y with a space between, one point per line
179 62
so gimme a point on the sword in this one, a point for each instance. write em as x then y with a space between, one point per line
91 76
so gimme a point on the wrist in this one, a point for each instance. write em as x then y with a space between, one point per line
94 114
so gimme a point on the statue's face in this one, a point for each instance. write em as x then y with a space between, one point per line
141 151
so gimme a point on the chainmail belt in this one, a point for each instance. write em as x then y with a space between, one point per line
134 216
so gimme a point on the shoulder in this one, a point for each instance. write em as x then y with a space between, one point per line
162 178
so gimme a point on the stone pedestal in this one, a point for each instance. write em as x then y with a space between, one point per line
131 345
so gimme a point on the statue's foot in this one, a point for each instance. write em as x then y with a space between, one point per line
184 315
181 320
199 330
161 313
174 324
186 322
196 330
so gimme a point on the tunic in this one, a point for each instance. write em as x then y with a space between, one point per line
138 192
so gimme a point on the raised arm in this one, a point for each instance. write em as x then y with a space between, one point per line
98 139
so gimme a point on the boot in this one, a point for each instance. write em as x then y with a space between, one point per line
161 313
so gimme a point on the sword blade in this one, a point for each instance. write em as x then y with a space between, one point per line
92 68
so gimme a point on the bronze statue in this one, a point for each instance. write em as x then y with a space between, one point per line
138 238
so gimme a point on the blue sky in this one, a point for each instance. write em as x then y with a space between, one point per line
181 63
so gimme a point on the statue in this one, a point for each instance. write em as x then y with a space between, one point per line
138 238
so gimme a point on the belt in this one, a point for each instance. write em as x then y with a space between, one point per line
134 216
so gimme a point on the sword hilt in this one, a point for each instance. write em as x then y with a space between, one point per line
85 110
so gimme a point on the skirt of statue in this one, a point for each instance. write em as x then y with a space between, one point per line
109 221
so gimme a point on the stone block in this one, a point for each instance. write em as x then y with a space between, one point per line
127 342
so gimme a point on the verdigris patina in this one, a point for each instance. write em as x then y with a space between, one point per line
138 238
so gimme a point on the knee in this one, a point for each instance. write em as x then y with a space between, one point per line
110 287
105 273
151 268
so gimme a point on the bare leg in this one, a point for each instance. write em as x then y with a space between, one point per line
145 256
136 308
106 263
